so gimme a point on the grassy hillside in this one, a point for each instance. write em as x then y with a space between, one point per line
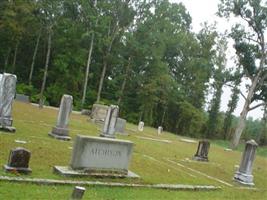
156 162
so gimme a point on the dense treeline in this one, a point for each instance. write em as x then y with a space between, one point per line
139 54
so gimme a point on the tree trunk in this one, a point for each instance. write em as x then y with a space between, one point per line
105 67
87 68
7 59
124 81
41 100
101 81
34 57
163 116
15 58
88 62
243 115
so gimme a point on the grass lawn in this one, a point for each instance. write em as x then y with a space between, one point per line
156 162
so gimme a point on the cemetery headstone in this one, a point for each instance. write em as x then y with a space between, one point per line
7 94
77 193
120 126
244 173
85 112
99 156
99 113
110 122
141 126
18 161
61 130
22 98
202 151
160 130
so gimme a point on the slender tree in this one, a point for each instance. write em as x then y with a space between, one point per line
250 46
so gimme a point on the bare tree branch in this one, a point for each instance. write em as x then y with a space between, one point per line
239 91
254 107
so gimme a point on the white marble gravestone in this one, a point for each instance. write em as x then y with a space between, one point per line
98 156
110 122
7 94
61 130
160 130
141 126
244 173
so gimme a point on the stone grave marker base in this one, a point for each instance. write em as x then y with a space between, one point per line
197 158
17 169
107 135
10 129
244 179
67 171
59 137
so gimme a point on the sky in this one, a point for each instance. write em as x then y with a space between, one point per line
205 10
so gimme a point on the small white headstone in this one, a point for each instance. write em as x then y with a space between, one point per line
160 130
141 126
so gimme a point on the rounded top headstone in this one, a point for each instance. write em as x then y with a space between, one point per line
252 142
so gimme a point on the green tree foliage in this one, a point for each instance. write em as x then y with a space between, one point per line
250 48
142 54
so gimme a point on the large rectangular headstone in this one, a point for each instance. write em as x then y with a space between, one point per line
101 154
7 94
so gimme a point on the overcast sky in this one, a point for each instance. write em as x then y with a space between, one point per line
204 10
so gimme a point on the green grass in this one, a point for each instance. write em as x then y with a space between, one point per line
34 124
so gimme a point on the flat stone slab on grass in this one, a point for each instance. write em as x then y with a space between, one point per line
22 98
153 139
110 184
67 171
66 138
188 140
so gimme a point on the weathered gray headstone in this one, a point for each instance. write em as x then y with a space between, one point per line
85 112
98 156
77 193
7 93
22 98
141 126
244 173
202 151
120 126
18 160
61 130
160 130
110 122
99 112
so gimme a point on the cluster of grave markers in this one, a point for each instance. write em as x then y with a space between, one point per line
103 150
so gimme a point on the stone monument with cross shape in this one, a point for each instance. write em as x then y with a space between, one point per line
61 130
110 122
7 94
